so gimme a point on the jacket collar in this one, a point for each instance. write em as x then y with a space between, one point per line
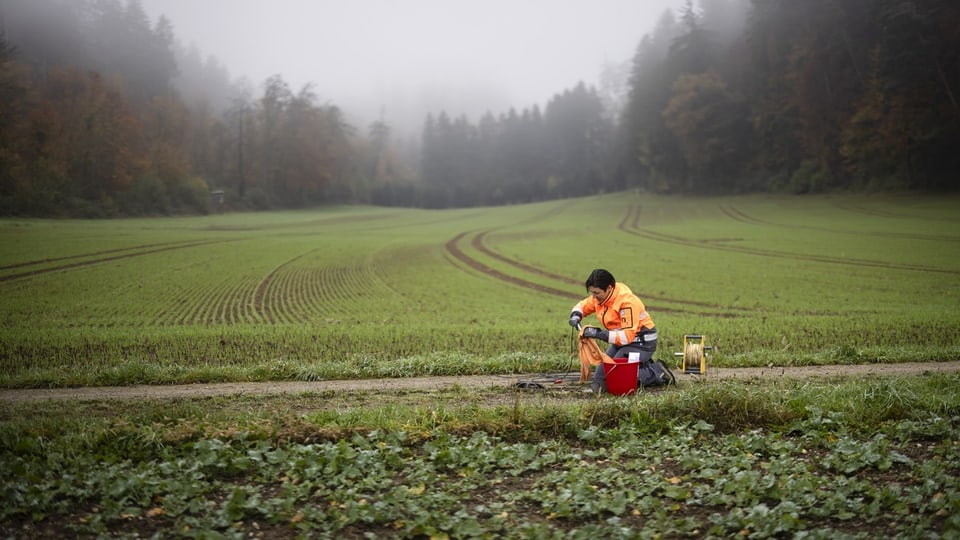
613 294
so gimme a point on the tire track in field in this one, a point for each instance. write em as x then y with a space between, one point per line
454 250
94 254
69 266
886 213
736 214
479 245
339 220
377 223
705 244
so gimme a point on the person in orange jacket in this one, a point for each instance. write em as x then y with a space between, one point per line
627 326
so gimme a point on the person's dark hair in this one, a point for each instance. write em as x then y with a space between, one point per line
600 279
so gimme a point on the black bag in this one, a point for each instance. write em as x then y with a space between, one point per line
653 373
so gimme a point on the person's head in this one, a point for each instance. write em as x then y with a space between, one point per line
600 284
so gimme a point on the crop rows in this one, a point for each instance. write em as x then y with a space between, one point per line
303 294
292 293
229 302
630 225
749 272
478 243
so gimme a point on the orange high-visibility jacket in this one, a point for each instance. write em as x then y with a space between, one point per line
623 314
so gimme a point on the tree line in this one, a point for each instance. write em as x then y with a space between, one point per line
104 112
736 96
780 95
518 157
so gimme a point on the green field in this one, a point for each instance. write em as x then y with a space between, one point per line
369 292
354 292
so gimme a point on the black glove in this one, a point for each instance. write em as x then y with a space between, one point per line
594 332
575 318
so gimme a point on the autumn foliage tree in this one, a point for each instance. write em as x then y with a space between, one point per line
906 126
94 124
12 107
805 96
76 142
709 123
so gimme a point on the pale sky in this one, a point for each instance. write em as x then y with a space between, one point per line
459 55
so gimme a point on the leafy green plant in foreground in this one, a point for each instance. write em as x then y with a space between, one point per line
796 458
690 481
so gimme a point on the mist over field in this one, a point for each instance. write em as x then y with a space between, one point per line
145 107
403 60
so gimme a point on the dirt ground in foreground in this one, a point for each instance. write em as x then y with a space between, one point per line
439 383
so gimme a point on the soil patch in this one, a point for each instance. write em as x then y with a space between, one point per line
440 383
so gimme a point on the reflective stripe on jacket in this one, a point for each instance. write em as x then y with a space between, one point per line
623 314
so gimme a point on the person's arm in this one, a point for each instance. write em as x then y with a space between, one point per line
582 309
594 332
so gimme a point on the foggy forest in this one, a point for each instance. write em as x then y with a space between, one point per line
105 113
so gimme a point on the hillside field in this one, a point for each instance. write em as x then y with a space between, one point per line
352 292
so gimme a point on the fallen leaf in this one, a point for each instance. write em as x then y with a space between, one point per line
156 511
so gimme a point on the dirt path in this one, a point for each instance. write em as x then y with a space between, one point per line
437 383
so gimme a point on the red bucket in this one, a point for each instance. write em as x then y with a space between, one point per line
621 376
